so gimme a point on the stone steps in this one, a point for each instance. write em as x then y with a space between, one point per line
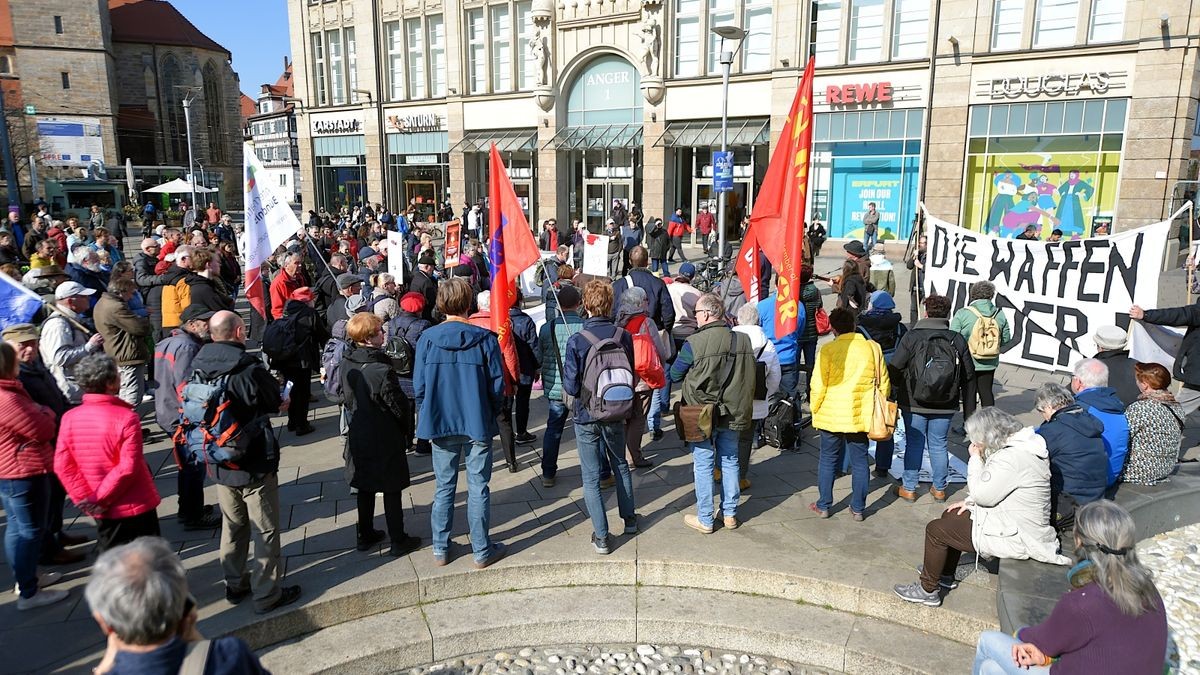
437 631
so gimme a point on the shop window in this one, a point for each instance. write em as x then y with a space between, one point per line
395 60
866 31
436 30
1054 23
829 30
1108 21
720 13
337 67
319 82
1007 22
416 58
687 38
477 51
501 39
66 80
910 28
756 52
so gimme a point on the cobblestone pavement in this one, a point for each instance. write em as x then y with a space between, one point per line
623 660
1174 558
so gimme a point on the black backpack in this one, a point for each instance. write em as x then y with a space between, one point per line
402 354
282 339
779 427
934 373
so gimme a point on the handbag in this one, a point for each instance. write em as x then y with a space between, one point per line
823 326
883 414
694 423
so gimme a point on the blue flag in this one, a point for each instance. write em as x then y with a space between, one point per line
18 304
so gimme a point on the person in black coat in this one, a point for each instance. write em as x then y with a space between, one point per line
379 417
853 294
528 348
311 334
662 308
410 325
1187 360
424 283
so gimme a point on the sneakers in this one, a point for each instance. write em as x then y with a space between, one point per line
909 496
370 539
601 545
548 481
606 483
731 523
694 523
914 593
821 513
211 520
946 581
857 516
404 546
631 525
44 579
498 551
287 595
41 599
525 438
939 496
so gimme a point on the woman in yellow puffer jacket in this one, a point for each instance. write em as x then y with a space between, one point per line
842 401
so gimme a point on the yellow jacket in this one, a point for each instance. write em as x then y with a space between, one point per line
840 396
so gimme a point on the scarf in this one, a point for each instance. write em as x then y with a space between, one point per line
1160 395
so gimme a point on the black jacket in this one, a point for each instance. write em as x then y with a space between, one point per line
526 341
425 285
41 386
662 309
311 333
904 359
208 293
1078 461
658 243
336 311
1120 374
379 414
254 397
883 328
1187 361
854 290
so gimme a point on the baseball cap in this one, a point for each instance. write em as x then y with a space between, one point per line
71 289
687 269
20 332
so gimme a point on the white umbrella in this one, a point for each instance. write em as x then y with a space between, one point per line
129 181
179 186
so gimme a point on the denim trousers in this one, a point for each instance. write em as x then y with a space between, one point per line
833 444
722 448
660 404
657 264
27 504
602 445
447 455
993 656
926 433
552 439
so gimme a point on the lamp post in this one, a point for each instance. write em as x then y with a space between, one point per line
187 122
725 33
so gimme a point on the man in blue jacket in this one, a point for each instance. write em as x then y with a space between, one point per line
458 363
1090 385
662 309
1078 462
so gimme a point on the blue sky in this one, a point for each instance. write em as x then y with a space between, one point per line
254 31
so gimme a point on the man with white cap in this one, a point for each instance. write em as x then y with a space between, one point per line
64 341
1110 350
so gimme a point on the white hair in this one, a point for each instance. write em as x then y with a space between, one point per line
80 254
991 428
632 301
747 315
139 590
1091 373
484 300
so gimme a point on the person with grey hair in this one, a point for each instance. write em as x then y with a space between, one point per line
100 461
633 314
84 269
1090 384
1005 514
1111 621
982 305
766 385
289 280
1078 464
139 598
125 336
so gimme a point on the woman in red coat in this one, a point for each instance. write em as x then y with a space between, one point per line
26 460
100 461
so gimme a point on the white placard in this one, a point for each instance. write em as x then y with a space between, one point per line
595 255
395 258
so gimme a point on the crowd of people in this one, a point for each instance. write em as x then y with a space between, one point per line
400 356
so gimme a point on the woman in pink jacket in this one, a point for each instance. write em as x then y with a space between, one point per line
99 458
26 460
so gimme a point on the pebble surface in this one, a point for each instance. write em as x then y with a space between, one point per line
643 659
1174 559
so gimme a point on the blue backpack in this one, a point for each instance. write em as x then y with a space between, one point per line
207 430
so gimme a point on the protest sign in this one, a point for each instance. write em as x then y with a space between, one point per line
453 236
395 257
1054 294
595 255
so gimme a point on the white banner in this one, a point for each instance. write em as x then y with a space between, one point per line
595 255
1149 343
395 256
1055 295
269 218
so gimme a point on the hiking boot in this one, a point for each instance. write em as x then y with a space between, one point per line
939 496
914 593
907 495
601 545
694 523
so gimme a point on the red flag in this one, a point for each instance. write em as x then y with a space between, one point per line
779 206
254 291
512 251
747 266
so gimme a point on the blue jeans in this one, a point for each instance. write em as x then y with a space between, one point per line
833 444
884 450
926 432
602 444
870 239
656 265
993 656
660 402
446 457
704 457
552 439
27 504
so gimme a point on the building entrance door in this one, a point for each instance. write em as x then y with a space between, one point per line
599 196
737 204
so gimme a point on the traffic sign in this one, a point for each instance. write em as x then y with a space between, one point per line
722 171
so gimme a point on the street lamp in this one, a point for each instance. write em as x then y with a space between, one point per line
187 122
725 33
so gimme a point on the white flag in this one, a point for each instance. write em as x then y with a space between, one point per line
269 222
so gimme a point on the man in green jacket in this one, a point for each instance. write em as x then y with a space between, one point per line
716 366
125 338
981 297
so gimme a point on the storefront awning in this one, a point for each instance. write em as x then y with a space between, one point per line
600 136
707 133
509 140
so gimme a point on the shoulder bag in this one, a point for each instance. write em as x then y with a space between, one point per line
694 423
883 414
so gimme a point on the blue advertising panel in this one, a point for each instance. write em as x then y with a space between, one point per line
856 182
722 171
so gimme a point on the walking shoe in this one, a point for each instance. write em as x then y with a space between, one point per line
821 513
548 481
656 435
62 557
65 539
405 545
914 593
304 431
366 541
498 551
525 438
44 579
731 523
631 525
513 467
907 495
234 597
287 595
41 599
744 484
601 545
946 581
880 473
606 483
939 496
209 521
857 516
643 463
694 523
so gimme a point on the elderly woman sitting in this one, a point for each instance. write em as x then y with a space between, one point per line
1005 514
1155 427
1111 621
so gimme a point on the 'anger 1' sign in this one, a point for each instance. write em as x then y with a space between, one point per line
1055 295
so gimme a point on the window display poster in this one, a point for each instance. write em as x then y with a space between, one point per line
856 182
1066 191
595 255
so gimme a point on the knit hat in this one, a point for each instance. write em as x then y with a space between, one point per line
1110 337
303 294
882 300
412 302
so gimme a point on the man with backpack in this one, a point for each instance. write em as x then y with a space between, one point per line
662 308
293 344
246 468
598 372
716 366
931 372
985 328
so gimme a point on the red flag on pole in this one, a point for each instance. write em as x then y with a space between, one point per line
512 251
779 206
747 266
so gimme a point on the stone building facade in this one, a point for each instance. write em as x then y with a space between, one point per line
1064 113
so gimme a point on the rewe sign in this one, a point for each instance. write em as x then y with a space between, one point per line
852 94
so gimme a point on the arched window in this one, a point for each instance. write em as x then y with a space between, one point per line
172 92
214 120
